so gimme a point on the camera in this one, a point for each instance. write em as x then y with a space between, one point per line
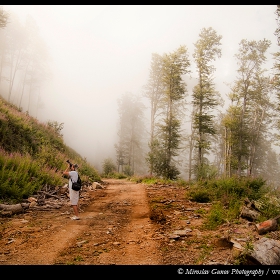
71 164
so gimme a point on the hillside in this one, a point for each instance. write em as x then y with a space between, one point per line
33 155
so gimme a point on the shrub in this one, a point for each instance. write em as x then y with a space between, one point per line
230 193
108 167
201 196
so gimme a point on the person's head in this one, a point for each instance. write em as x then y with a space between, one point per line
73 167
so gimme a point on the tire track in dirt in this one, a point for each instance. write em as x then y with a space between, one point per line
137 243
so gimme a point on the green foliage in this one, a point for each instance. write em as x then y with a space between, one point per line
149 180
49 156
166 91
200 211
163 166
88 172
269 205
127 170
57 127
21 176
219 214
216 216
242 259
201 196
108 167
182 183
227 196
238 188
169 136
250 94
205 98
23 134
78 258
119 176
116 175
205 171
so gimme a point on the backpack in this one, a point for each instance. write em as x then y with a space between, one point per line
76 186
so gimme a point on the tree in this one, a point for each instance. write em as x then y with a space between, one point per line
16 45
247 120
276 67
217 148
3 44
33 61
3 18
277 31
205 98
131 126
190 146
23 61
108 166
56 127
154 92
165 145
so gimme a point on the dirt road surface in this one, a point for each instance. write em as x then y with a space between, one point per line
120 226
114 229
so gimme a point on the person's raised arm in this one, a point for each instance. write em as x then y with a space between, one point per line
66 172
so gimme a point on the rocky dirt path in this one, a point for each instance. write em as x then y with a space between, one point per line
117 228
114 229
135 240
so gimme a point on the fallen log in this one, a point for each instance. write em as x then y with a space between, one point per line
264 227
249 214
25 205
266 252
268 225
11 209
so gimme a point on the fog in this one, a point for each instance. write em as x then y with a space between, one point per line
100 52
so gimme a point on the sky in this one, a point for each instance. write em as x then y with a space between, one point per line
100 52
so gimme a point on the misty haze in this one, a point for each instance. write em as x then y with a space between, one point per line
93 69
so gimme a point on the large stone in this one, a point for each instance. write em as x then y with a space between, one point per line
96 185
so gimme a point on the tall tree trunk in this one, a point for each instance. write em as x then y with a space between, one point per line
13 72
23 84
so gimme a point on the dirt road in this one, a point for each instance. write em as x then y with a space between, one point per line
114 229
117 228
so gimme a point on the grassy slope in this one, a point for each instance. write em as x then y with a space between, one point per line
33 154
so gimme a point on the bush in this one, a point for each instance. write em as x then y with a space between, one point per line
230 193
108 167
201 196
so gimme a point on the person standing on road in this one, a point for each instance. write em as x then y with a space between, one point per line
72 174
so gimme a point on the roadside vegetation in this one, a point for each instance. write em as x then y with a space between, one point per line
226 197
